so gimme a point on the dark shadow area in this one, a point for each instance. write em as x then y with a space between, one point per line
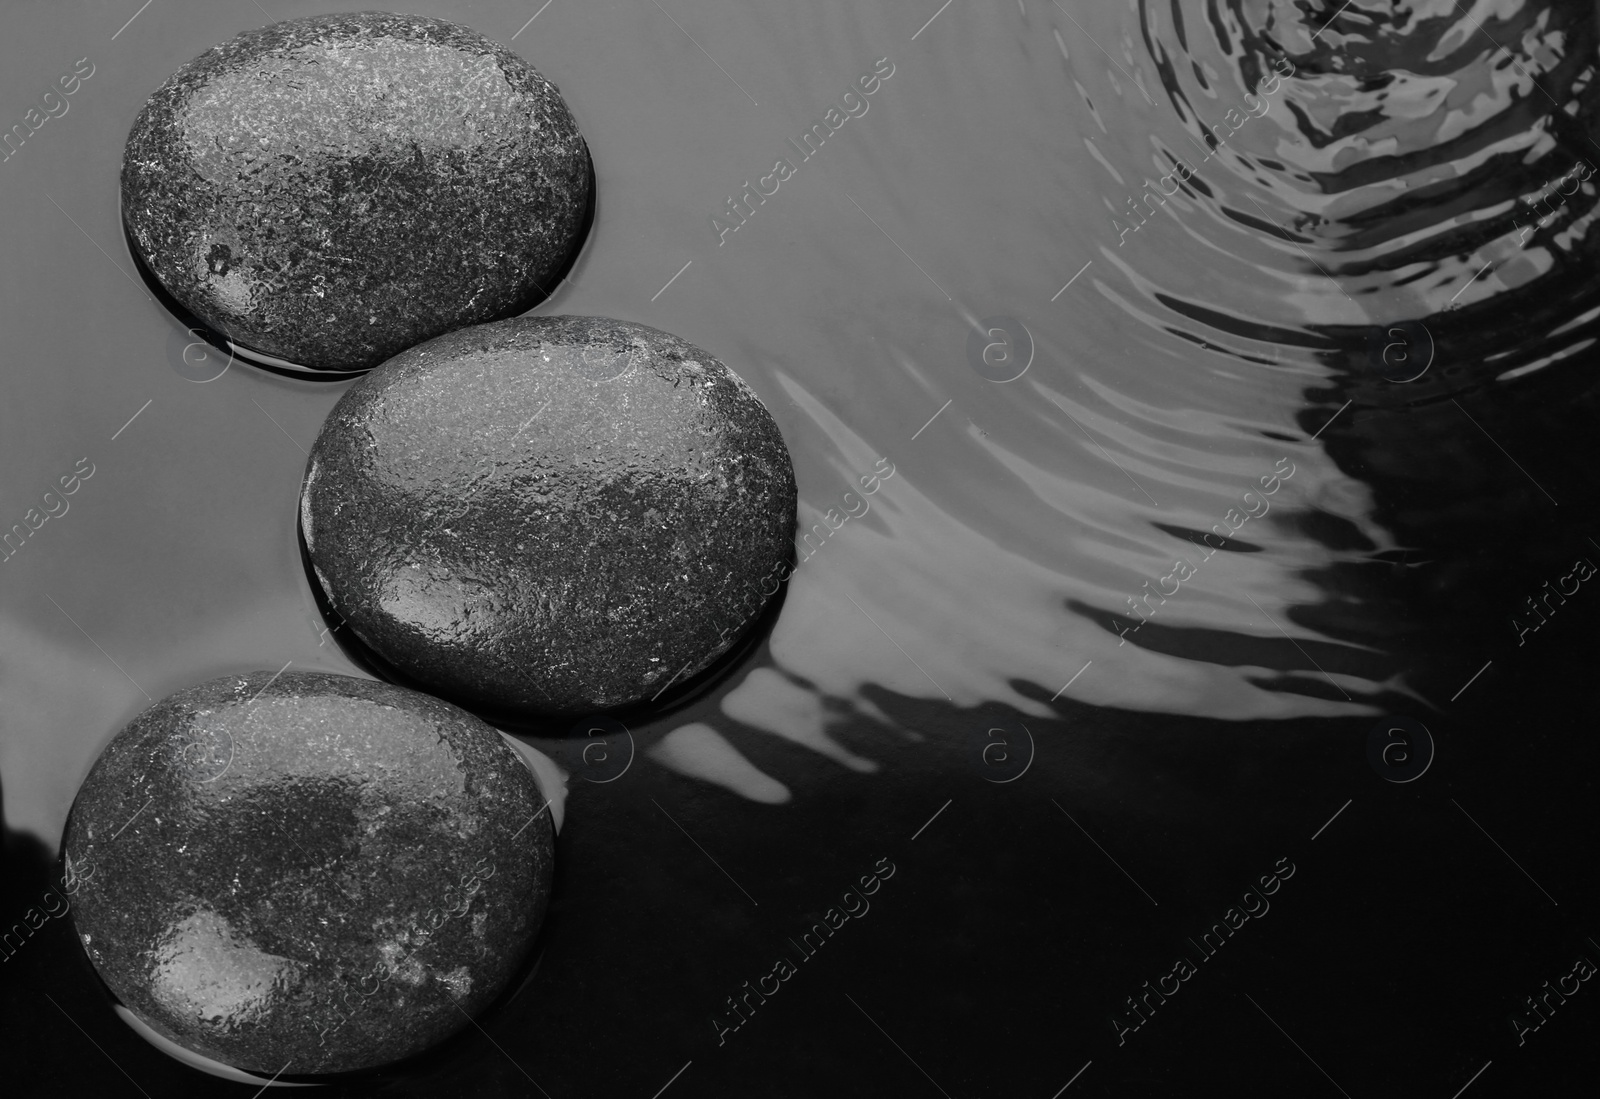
1060 892
1488 485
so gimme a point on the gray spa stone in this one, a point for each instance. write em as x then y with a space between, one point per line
307 873
549 514
334 189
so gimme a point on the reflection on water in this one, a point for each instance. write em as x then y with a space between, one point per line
1320 238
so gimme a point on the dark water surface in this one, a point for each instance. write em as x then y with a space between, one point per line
1303 451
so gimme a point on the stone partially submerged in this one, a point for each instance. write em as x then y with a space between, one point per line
549 514
334 189
307 873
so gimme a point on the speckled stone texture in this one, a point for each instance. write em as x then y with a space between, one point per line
550 514
309 873
334 189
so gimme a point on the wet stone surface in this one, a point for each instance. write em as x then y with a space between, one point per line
549 514
334 189
312 873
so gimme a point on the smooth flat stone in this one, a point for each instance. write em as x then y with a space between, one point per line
310 873
334 189
549 514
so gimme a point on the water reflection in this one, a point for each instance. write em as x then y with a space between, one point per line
1324 239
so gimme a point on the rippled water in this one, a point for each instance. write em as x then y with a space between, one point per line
1277 223
1318 286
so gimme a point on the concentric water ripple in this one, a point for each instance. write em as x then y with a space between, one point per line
1301 221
